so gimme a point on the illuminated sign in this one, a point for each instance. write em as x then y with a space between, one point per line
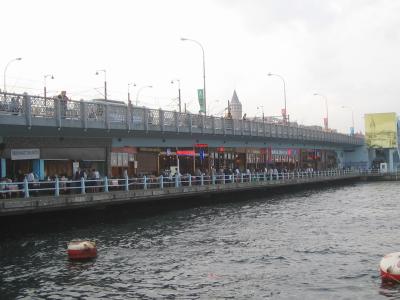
201 145
185 153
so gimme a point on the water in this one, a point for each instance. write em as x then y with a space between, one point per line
319 244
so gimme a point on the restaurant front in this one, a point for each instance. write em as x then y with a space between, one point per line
285 158
123 160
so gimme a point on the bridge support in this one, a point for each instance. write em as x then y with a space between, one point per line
106 184
3 168
38 168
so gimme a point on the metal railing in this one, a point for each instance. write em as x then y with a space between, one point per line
57 187
378 172
31 110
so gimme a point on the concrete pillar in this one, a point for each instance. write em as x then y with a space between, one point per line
38 168
105 184
3 167
391 166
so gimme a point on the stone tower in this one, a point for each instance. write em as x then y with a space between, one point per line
235 106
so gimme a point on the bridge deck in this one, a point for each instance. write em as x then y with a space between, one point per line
26 111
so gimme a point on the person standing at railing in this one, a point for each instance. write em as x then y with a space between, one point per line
276 173
15 105
63 101
83 174
3 187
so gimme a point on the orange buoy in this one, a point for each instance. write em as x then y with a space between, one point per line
79 249
390 267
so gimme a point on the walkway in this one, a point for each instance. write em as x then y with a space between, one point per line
77 194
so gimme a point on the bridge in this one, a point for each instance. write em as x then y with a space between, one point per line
22 113
60 135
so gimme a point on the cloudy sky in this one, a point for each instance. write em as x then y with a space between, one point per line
346 50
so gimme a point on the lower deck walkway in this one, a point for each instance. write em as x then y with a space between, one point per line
27 205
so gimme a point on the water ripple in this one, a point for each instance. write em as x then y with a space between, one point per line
322 244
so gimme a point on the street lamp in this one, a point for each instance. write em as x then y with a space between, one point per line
285 119
44 86
352 119
262 110
105 82
179 92
5 70
129 94
326 124
204 72
139 90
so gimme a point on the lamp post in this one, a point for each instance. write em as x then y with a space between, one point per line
262 110
285 119
139 90
352 119
326 124
129 94
179 92
44 85
204 72
105 82
5 71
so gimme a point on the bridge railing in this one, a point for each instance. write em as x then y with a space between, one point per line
92 114
64 186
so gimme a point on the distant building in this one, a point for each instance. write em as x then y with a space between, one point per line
235 106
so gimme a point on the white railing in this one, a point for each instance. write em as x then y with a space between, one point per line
378 172
57 187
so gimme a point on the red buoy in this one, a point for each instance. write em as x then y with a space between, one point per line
79 249
390 267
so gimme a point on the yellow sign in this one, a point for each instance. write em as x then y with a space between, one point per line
381 130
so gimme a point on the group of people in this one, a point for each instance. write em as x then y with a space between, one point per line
14 186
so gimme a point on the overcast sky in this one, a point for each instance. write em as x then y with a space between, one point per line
346 50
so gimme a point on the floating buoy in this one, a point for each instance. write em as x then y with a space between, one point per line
79 249
390 267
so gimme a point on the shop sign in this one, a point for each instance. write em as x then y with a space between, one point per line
279 151
201 145
288 152
125 149
221 149
19 154
149 149
185 153
255 151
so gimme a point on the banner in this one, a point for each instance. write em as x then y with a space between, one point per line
200 95
381 130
